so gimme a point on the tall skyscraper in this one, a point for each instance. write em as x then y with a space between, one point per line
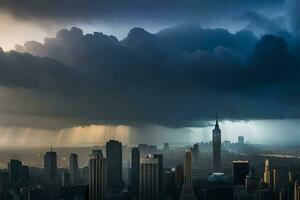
96 175
135 171
149 181
267 173
14 170
188 167
240 170
217 148
50 167
73 168
274 182
179 176
196 154
160 175
114 165
296 190
4 183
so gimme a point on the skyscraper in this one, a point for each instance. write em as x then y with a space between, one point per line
114 165
188 167
217 148
50 167
14 170
240 170
135 171
196 154
73 168
267 173
149 182
160 175
96 175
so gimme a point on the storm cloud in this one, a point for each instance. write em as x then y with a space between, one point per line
178 77
133 10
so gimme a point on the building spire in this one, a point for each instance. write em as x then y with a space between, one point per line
217 122
51 147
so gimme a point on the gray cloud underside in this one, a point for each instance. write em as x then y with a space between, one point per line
178 77
119 10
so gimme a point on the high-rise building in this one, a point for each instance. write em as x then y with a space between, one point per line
170 184
196 154
114 165
14 170
50 167
217 148
4 183
188 167
240 169
267 173
219 187
96 175
160 175
135 171
241 140
73 168
296 190
179 177
274 182
149 181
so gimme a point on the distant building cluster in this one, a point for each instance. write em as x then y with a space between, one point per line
149 175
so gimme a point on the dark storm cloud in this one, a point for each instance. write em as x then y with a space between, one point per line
178 77
119 10
294 6
261 23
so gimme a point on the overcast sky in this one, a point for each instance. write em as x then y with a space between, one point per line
167 65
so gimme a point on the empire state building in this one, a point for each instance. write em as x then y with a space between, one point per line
216 133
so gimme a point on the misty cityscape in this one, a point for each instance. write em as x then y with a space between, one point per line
210 171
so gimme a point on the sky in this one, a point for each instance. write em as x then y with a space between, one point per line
74 72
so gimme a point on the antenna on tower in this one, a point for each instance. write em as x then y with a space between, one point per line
51 147
217 122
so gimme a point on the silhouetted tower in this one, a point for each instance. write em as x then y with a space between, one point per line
135 171
96 175
217 147
114 165
73 168
50 166
188 167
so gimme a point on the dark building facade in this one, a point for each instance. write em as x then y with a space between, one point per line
114 165
73 168
96 180
240 170
135 171
50 167
14 170
160 175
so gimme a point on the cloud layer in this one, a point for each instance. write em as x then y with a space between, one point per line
71 10
181 76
